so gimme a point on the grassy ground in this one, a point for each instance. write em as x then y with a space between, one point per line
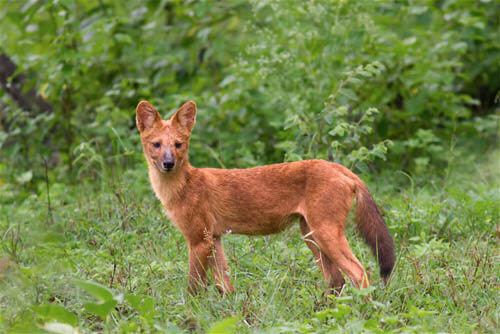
447 277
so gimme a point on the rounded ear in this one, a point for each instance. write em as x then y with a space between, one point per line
146 115
185 117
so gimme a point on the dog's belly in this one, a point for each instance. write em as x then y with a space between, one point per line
256 225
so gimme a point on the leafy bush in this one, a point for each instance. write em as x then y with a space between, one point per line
261 71
301 51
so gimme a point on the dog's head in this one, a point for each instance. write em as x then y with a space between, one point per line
165 142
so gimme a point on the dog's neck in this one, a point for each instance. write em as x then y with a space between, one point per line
168 187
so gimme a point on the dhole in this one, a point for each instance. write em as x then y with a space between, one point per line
205 203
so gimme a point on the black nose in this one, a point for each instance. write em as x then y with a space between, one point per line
168 164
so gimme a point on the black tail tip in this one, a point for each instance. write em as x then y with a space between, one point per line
386 270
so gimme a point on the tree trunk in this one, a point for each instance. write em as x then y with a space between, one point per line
29 100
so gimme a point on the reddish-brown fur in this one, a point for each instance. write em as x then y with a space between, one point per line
205 203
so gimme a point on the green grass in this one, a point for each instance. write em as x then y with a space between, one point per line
447 276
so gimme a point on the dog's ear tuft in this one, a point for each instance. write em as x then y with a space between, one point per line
146 115
185 117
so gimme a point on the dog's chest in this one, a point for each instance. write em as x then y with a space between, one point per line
169 214
165 197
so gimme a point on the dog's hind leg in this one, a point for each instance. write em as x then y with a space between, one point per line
331 272
333 243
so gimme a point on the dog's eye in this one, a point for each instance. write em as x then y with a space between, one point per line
156 144
178 145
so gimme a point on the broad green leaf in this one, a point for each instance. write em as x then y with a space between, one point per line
341 111
339 130
354 80
349 93
366 74
143 304
123 38
56 312
323 315
328 117
341 311
67 3
102 310
97 290
363 167
225 326
227 80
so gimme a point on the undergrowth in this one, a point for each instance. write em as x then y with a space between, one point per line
102 257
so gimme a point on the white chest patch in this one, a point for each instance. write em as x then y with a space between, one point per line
169 215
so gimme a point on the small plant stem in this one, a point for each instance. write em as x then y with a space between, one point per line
49 206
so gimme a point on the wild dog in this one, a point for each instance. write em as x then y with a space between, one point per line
205 203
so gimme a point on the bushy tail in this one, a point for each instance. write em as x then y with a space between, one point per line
374 230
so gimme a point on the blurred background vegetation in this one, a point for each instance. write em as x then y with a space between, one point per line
274 80
404 91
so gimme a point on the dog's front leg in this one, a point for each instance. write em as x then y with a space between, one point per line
220 269
199 253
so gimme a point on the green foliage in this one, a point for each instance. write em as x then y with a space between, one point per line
105 296
263 71
55 312
300 53
342 143
116 243
226 326
104 57
405 92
